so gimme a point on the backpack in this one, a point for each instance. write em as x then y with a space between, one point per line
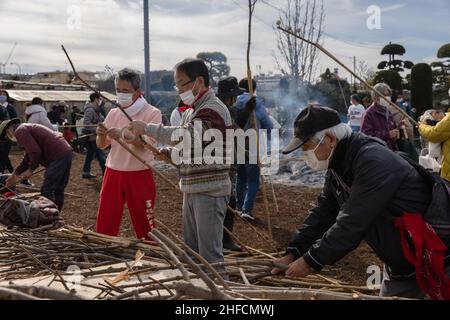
438 212
425 237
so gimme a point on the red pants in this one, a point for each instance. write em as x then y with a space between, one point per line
138 190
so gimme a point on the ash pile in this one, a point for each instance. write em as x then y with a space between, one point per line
297 173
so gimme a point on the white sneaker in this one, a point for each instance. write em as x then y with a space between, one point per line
247 216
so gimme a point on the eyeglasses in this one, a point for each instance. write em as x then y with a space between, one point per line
317 145
185 84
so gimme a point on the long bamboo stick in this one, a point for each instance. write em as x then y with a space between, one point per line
174 258
333 57
145 163
37 189
215 290
274 197
146 145
236 239
251 8
20 178
86 136
79 126
195 254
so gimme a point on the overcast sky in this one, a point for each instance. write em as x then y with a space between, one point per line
111 32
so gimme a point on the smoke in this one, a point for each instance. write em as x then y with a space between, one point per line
285 104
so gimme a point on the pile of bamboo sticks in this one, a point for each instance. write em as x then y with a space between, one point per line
28 254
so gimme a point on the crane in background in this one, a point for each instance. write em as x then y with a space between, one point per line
5 63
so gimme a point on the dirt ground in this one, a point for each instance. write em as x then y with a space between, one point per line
293 203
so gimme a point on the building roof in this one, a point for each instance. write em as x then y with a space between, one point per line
53 95
31 85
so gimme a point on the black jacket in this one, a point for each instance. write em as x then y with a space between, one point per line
366 188
7 113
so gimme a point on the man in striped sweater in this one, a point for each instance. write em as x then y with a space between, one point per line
206 186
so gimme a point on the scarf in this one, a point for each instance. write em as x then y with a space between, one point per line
136 107
184 108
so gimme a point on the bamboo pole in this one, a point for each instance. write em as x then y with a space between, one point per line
37 189
20 178
172 256
195 254
146 145
86 136
215 290
236 239
145 163
251 8
274 196
79 126
56 273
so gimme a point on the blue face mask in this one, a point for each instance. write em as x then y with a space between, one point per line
3 99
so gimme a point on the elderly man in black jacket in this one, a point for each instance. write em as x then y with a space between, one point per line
367 186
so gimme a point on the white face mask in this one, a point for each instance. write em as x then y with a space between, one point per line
313 162
188 97
124 99
384 103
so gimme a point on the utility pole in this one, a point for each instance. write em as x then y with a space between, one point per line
354 70
147 50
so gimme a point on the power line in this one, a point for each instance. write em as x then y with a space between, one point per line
254 16
272 6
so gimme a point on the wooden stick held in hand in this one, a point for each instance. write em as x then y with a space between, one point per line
146 145
251 8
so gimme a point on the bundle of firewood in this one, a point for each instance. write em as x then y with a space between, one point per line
118 268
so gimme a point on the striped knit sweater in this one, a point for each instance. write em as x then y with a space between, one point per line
212 179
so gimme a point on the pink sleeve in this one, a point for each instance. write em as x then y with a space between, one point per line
108 121
108 124
154 116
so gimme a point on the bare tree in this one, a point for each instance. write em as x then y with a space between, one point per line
296 58
364 71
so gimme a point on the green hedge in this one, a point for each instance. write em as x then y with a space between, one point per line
422 87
